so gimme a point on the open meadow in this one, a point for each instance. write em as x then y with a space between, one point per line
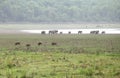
59 56
59 38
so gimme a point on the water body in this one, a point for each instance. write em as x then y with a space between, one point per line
75 31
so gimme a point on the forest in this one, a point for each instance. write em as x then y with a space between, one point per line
55 11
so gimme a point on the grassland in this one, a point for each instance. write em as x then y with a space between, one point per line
74 56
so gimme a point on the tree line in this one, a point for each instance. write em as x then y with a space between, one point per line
38 11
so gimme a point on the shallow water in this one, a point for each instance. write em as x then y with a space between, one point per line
75 31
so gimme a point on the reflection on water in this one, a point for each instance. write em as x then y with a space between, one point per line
75 31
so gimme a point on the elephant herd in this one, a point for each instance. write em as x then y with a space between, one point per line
51 32
69 32
96 32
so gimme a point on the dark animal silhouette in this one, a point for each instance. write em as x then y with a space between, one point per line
39 43
53 43
94 32
61 32
53 31
69 32
79 32
17 43
103 32
43 32
28 46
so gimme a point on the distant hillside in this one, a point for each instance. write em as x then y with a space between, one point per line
38 11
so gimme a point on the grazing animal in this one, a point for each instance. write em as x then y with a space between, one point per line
28 45
17 43
61 32
43 32
103 32
39 43
79 32
53 43
69 32
53 31
94 32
